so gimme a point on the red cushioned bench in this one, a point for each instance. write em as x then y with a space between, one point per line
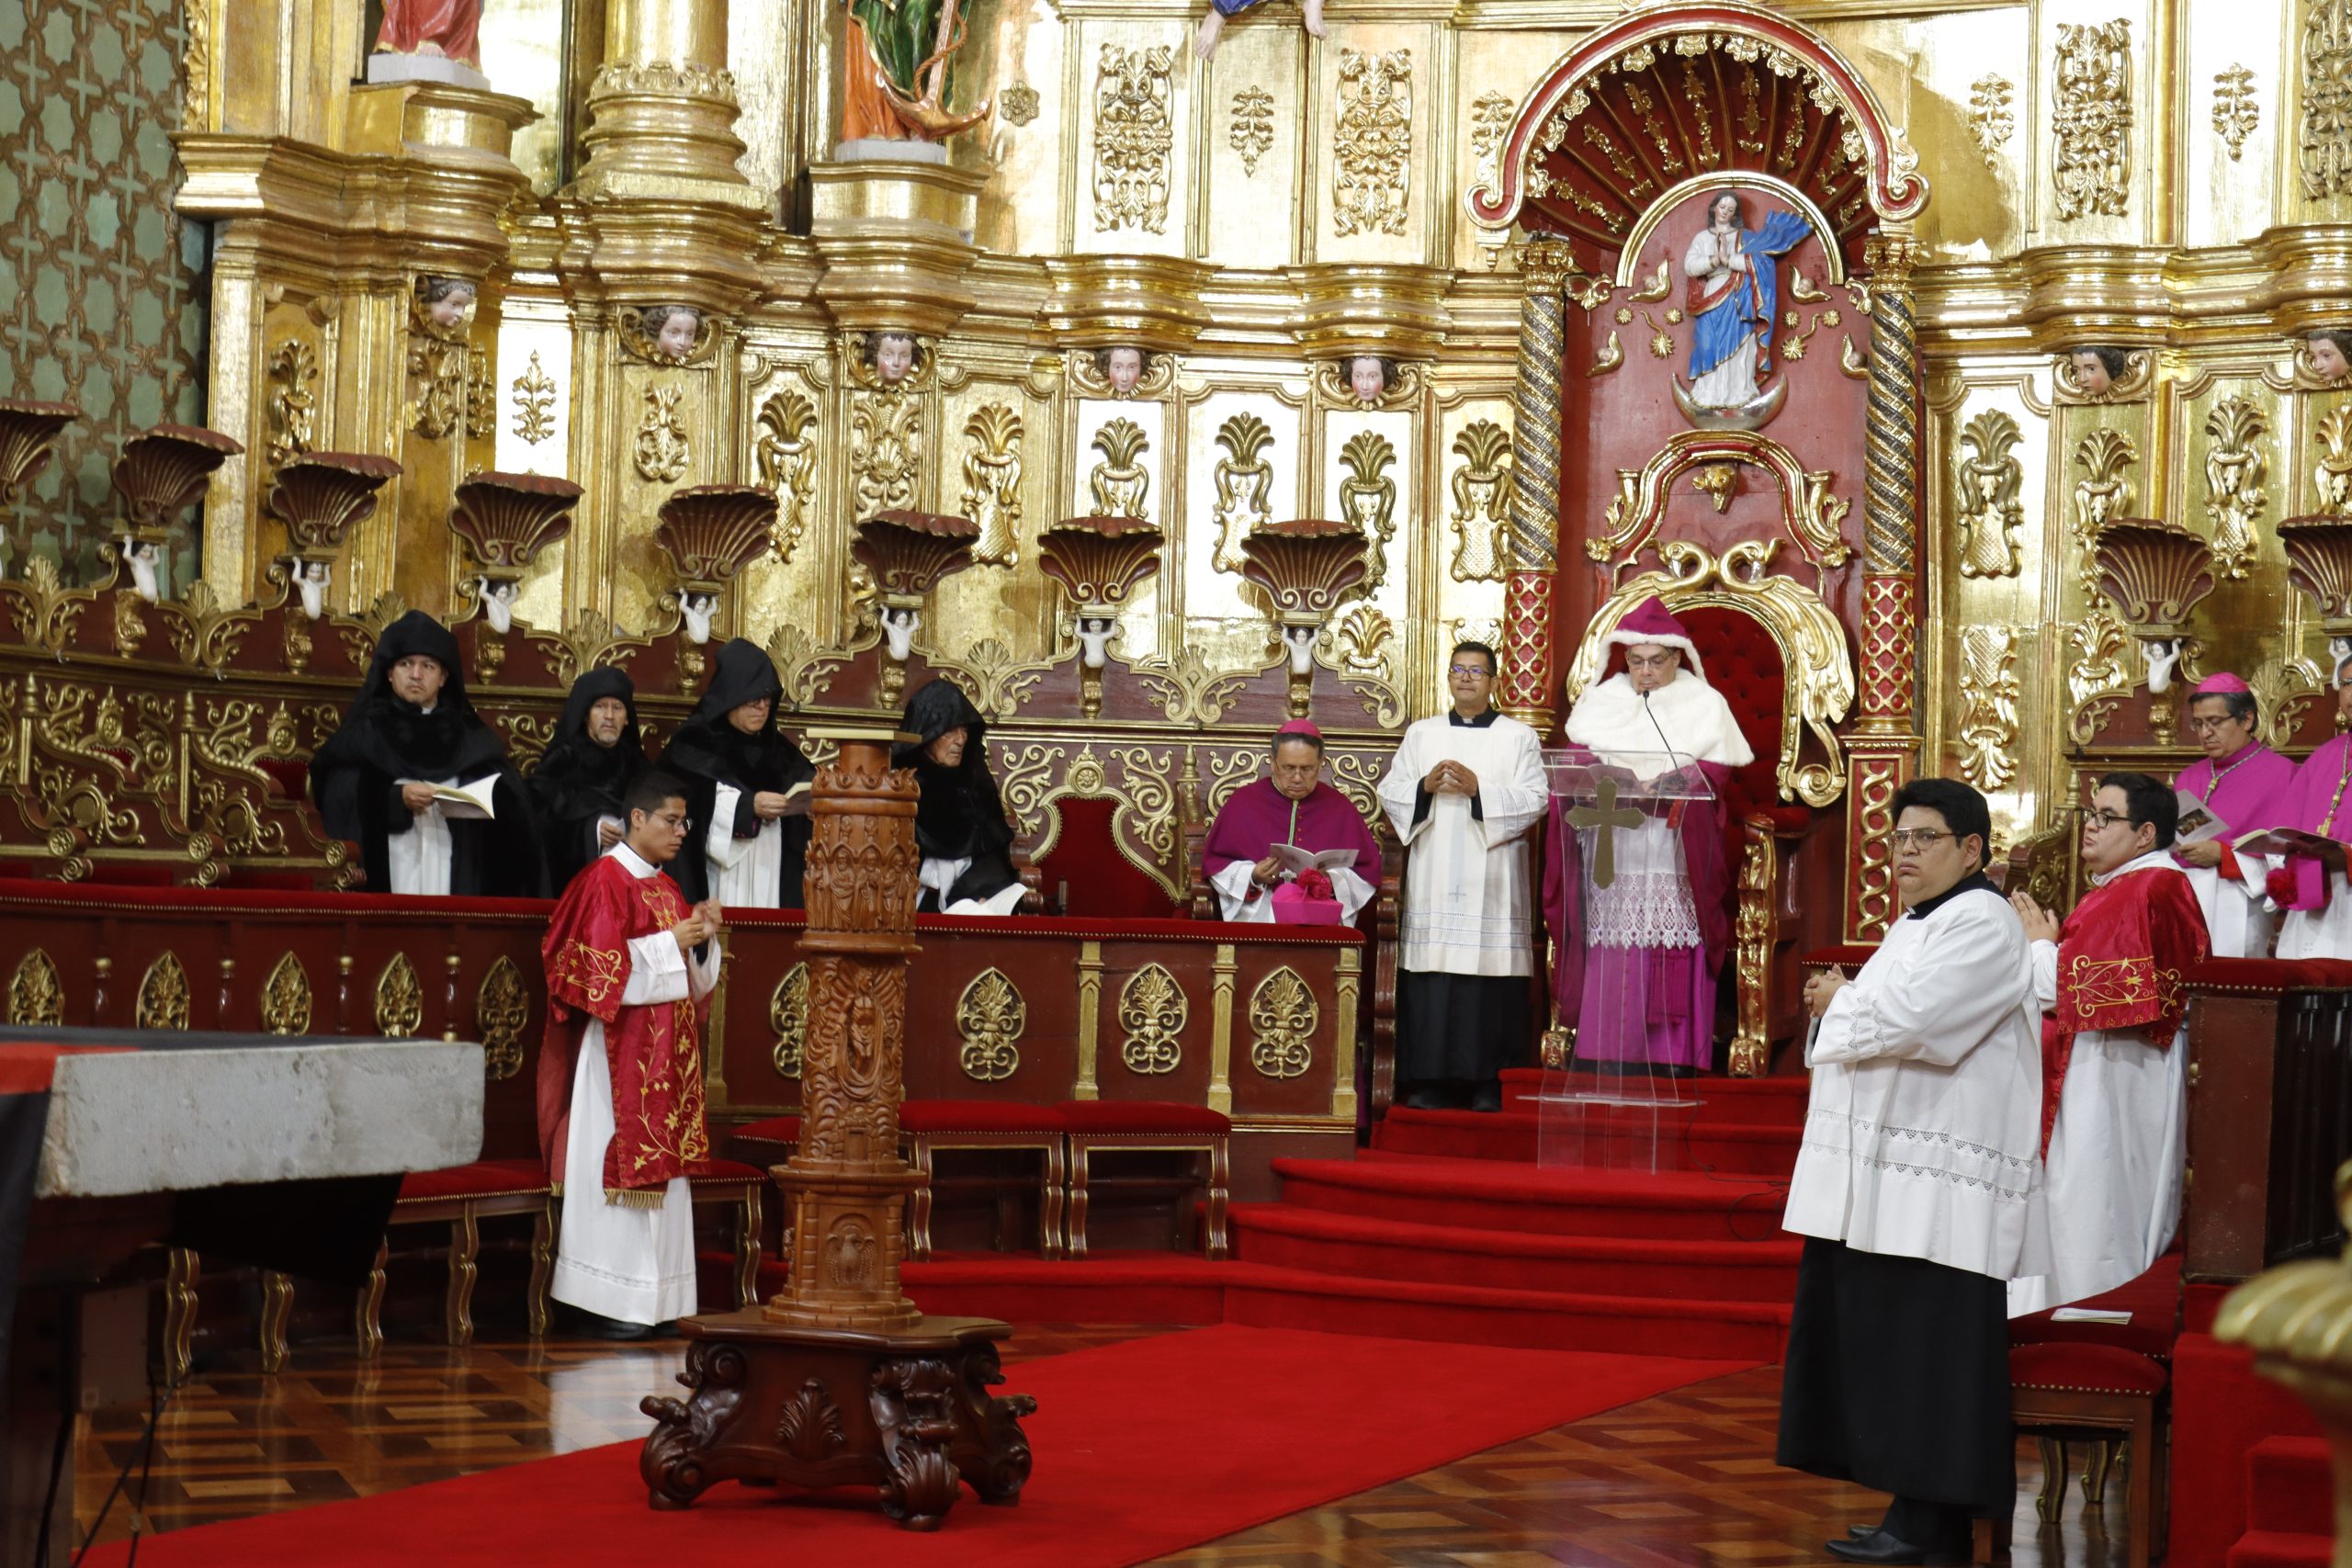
1102 1126
2063 1390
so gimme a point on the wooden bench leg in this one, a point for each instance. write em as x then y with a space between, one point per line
2096 1469
2051 1506
1074 1218
1220 1197
179 1310
276 1306
2139 1496
747 1248
542 1266
370 1310
465 1249
1050 1207
919 1224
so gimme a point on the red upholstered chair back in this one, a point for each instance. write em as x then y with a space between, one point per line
1102 884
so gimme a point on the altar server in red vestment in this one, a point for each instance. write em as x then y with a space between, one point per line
620 1094
2311 889
1916 1188
2243 786
2115 1053
1294 809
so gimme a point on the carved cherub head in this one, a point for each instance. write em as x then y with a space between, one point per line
1369 376
445 301
671 330
2331 353
891 356
1121 366
2098 367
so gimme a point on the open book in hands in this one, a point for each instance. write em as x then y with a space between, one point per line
1295 859
2289 842
2198 823
469 801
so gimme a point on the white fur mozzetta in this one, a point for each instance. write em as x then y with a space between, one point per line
1697 721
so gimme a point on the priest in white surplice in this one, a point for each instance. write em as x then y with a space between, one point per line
620 1095
1463 794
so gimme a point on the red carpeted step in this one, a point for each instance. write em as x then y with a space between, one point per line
2288 1487
2275 1549
2220 1409
1761 1102
1688 1144
1489 1195
1408 1309
1316 1241
1104 1287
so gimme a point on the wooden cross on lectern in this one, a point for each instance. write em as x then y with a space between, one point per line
1606 816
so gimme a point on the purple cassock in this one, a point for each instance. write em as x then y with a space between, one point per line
1258 816
2314 803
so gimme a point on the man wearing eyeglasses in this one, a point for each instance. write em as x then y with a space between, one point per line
1914 1189
2242 788
620 1095
1463 792
2114 1104
2311 888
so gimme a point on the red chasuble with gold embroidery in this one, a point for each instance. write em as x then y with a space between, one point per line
2122 957
653 1050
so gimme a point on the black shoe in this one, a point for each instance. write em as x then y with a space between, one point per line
1880 1547
597 1326
1863 1532
1487 1097
1419 1096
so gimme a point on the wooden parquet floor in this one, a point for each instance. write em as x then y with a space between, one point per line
1683 1479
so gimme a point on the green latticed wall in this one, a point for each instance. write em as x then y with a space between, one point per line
101 285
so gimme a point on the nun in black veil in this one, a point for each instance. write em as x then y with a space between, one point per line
749 798
585 772
409 732
960 825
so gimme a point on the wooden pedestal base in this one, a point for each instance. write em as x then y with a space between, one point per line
908 1411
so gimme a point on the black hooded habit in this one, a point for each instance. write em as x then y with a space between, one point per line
578 782
355 777
961 816
708 752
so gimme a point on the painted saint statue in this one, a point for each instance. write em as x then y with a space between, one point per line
1733 294
898 68
450 29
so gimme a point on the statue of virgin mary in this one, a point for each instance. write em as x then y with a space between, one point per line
1734 292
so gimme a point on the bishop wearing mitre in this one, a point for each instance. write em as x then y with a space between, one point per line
1634 963
620 1095
1463 792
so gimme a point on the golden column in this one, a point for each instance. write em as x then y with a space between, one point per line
840 1380
1885 750
1531 673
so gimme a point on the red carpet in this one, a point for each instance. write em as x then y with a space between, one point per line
1143 1448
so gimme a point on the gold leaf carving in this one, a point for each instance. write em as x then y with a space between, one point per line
1372 144
2099 676
1120 482
1134 138
1990 117
1252 135
1152 1011
1282 1017
2234 472
662 449
1368 499
1989 511
2235 112
1019 103
286 998
992 483
162 995
400 999
1490 115
293 406
35 994
2103 494
788 1016
2323 142
2092 122
1481 502
886 447
990 1015
2331 477
534 393
1244 486
785 451
502 1012
1988 724
1611 354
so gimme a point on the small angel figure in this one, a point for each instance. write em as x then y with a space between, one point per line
890 355
697 609
1094 634
1300 641
2331 353
498 602
898 632
445 301
2161 655
1121 366
671 330
311 580
1369 376
1213 25
2098 367
142 558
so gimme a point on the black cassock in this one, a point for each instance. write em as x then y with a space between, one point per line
707 751
578 783
961 816
355 777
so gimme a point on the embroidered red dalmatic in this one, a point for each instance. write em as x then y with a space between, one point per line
653 1050
2122 957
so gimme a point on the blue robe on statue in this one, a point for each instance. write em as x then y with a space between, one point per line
1749 304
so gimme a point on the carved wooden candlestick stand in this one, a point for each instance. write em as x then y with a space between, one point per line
840 1380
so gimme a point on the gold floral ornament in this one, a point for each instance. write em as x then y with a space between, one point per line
1134 138
991 1017
293 403
36 995
1283 1017
992 482
1120 482
2104 492
440 315
788 1016
2234 469
1372 142
1988 723
502 1013
1368 499
1989 511
1251 136
2236 115
2323 140
162 995
785 450
1152 1009
286 998
1990 117
400 999
2092 122
1018 104
535 394
1244 482
663 449
1481 489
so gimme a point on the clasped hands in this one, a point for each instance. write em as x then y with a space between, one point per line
1449 778
698 927
2040 925
1820 986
